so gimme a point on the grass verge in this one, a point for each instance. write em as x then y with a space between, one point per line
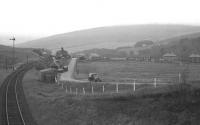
169 105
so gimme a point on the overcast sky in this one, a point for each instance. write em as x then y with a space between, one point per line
48 17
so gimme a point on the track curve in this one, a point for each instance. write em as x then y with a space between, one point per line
13 106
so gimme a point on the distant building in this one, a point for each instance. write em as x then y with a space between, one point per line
81 56
94 56
170 57
194 58
118 59
48 75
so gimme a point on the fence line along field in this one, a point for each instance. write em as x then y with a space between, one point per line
106 89
123 71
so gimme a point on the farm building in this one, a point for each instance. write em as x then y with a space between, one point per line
170 57
81 56
94 56
194 58
118 59
48 75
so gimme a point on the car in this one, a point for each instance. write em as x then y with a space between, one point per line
60 70
65 68
93 77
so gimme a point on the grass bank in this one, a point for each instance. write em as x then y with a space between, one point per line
169 105
3 74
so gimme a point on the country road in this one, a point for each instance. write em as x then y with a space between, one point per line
69 75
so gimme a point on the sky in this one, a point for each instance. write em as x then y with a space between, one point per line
39 18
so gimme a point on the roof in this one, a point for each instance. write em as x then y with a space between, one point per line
169 55
48 70
195 55
118 58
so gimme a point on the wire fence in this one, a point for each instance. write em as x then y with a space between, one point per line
107 88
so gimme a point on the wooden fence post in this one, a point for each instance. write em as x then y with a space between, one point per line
92 90
134 85
155 82
76 91
66 89
84 91
117 89
70 89
179 77
103 88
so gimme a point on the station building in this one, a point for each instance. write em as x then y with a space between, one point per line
48 75
194 58
170 57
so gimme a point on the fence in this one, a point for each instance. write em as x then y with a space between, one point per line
104 88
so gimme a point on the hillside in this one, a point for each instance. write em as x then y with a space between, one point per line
20 54
178 38
110 37
181 47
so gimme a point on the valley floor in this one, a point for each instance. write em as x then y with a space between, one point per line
127 71
50 105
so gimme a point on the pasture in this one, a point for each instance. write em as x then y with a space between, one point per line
127 71
50 105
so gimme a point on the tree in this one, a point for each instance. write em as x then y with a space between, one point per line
131 53
62 53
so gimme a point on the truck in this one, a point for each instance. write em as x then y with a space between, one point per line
94 77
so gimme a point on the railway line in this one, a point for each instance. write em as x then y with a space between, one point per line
14 109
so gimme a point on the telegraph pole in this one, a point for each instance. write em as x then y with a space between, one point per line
13 39
27 58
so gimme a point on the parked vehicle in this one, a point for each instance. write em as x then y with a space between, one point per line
60 70
65 68
93 77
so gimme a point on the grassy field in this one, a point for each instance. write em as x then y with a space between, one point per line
168 105
3 74
124 71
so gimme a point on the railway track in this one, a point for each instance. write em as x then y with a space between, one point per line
14 109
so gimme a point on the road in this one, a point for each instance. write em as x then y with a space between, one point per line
69 75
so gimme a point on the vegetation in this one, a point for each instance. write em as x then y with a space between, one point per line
126 71
144 42
21 54
105 53
182 48
62 54
172 105
41 52
3 74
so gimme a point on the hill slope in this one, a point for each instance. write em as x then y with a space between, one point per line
110 37
20 54
182 47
